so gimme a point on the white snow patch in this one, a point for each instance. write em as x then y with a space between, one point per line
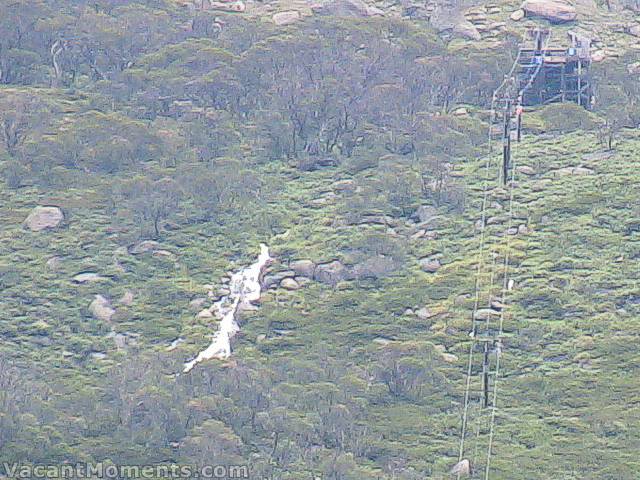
244 289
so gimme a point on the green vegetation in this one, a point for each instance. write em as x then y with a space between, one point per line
175 143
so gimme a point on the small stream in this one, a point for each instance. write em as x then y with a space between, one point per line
244 288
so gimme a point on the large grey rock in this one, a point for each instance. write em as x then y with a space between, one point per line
206 313
449 357
424 213
144 247
289 284
42 218
561 172
54 263
525 170
466 29
345 186
424 313
373 267
430 265
517 15
273 279
556 11
197 303
303 268
331 273
286 18
346 8
87 277
462 468
486 314
101 309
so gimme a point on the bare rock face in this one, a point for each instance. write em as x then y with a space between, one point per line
525 170
556 11
565 171
235 6
303 268
466 29
486 313
373 267
430 265
449 357
42 218
54 263
462 468
331 273
286 18
101 309
144 247
517 15
346 8
424 213
424 313
206 313
197 303
289 284
87 277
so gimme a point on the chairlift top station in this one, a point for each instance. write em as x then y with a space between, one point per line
564 70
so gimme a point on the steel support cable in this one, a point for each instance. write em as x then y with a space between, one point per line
505 284
487 326
503 300
480 258
480 262
479 269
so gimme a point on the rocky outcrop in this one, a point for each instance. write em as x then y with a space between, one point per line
197 303
449 357
525 170
517 15
235 6
373 267
562 172
42 218
331 273
345 186
466 29
289 284
205 313
144 247
425 213
556 11
430 264
101 309
462 468
303 268
346 8
424 313
54 263
286 18
486 314
274 279
87 277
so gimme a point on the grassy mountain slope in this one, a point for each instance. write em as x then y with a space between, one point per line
174 154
